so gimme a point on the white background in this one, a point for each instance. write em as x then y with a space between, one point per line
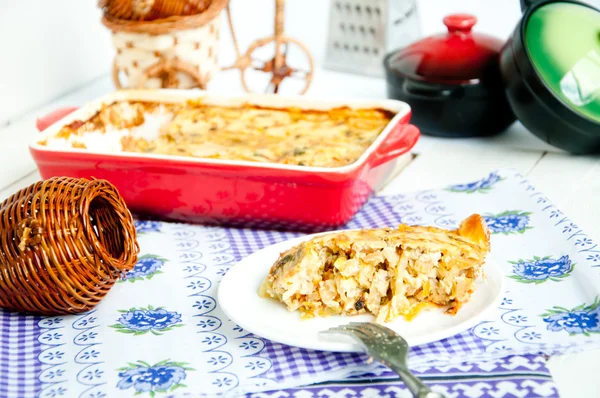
57 52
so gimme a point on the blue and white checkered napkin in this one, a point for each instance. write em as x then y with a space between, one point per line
161 333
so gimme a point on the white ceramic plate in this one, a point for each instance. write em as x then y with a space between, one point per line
239 299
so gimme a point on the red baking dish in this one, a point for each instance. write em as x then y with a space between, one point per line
239 193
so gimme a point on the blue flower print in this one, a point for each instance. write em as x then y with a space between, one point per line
54 355
96 374
162 377
91 354
138 321
55 373
583 242
518 319
222 271
85 322
579 320
256 365
147 266
204 304
143 227
555 213
508 222
192 268
238 328
220 360
184 234
412 220
490 331
97 394
569 228
52 336
249 345
594 258
532 336
55 392
506 301
212 340
224 382
197 285
51 322
87 336
482 186
539 270
448 222
208 323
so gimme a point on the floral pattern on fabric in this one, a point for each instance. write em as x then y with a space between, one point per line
539 270
139 321
483 186
147 267
583 319
162 377
508 222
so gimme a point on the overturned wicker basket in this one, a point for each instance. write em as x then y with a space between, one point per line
64 242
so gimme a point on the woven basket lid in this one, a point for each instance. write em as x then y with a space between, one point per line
157 11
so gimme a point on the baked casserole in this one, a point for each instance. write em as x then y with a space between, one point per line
386 272
323 138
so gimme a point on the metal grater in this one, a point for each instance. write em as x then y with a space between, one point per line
362 32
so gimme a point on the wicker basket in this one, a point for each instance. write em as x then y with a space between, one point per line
65 242
179 51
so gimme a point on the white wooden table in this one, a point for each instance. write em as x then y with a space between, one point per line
572 183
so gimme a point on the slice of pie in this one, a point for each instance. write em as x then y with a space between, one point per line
386 272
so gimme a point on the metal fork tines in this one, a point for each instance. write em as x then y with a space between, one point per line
389 348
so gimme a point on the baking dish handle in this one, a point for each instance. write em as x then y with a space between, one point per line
42 123
400 140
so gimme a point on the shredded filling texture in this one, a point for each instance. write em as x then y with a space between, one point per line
386 272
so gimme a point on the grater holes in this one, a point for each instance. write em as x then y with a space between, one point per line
348 7
376 51
363 30
338 5
377 11
358 9
352 28
369 10
342 27
372 30
346 47
356 48
336 45
366 49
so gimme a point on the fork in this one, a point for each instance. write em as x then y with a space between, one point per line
389 348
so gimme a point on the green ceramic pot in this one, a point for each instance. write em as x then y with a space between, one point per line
551 72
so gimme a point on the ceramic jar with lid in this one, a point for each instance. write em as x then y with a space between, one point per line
452 81
466 84
551 71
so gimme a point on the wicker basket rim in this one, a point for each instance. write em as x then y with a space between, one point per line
166 25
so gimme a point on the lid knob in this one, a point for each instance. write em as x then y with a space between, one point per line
460 22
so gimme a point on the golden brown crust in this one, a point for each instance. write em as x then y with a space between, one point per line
322 138
386 272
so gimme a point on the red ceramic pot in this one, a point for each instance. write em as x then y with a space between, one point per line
452 81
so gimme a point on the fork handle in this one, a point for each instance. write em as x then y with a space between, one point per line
416 387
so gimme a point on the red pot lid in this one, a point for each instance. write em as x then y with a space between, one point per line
459 56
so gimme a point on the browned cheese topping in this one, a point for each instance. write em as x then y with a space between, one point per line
328 138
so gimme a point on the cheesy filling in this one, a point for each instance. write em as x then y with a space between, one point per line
386 272
324 138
